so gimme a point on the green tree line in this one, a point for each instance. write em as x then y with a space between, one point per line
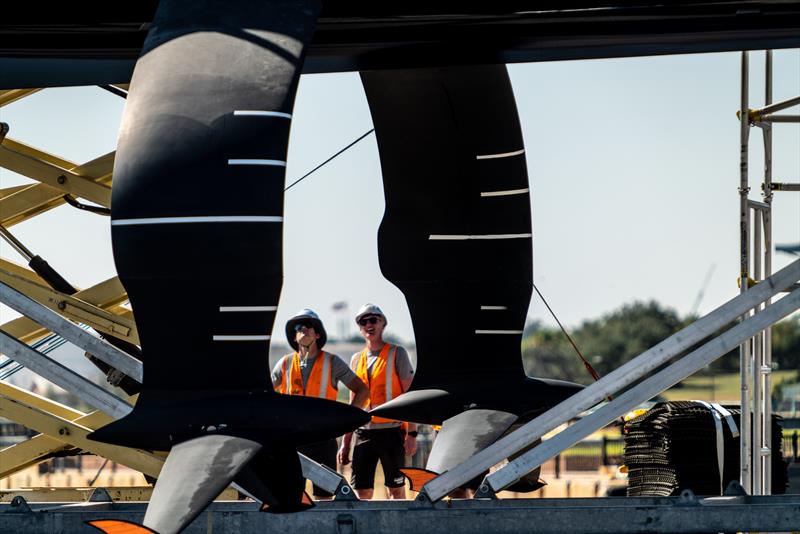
616 337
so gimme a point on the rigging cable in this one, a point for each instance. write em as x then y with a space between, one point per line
97 475
586 363
309 173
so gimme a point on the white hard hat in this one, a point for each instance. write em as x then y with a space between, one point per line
306 314
369 309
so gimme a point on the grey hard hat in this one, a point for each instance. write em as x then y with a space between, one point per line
309 315
369 309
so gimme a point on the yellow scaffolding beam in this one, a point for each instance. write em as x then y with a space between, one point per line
133 493
8 96
74 433
20 270
106 295
8 191
38 198
40 166
43 403
32 451
73 308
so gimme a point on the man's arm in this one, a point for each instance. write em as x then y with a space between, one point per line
359 392
277 373
406 374
343 456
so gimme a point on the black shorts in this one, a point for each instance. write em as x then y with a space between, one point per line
323 452
384 444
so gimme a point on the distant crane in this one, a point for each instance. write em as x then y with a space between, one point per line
702 291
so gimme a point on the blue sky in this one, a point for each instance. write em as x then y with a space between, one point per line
633 166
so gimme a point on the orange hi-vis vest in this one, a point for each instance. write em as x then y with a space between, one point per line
383 382
319 381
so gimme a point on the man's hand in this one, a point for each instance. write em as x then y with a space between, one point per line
410 445
343 456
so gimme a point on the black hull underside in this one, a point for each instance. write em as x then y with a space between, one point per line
43 47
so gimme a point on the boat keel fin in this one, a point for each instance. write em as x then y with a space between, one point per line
115 526
418 477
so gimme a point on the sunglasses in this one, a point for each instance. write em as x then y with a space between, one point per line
364 321
303 324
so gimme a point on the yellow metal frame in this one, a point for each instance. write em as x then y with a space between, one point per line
108 296
8 96
61 428
8 191
133 493
37 198
73 308
45 168
100 306
91 180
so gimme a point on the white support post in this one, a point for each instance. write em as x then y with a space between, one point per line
621 377
758 358
744 274
681 369
766 368
756 354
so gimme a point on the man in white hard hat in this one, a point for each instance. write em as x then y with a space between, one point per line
310 371
387 370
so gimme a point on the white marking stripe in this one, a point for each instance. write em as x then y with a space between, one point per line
439 237
240 338
390 374
287 374
503 155
256 113
209 219
326 375
494 307
498 331
504 193
270 162
247 308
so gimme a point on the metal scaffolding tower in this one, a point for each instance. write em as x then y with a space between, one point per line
755 226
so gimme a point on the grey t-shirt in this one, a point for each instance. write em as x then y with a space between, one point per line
339 370
402 365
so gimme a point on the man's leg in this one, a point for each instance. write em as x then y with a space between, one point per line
365 460
365 494
393 456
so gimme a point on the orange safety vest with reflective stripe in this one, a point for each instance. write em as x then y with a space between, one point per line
383 382
320 383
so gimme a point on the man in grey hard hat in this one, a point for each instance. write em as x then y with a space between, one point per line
310 371
386 369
